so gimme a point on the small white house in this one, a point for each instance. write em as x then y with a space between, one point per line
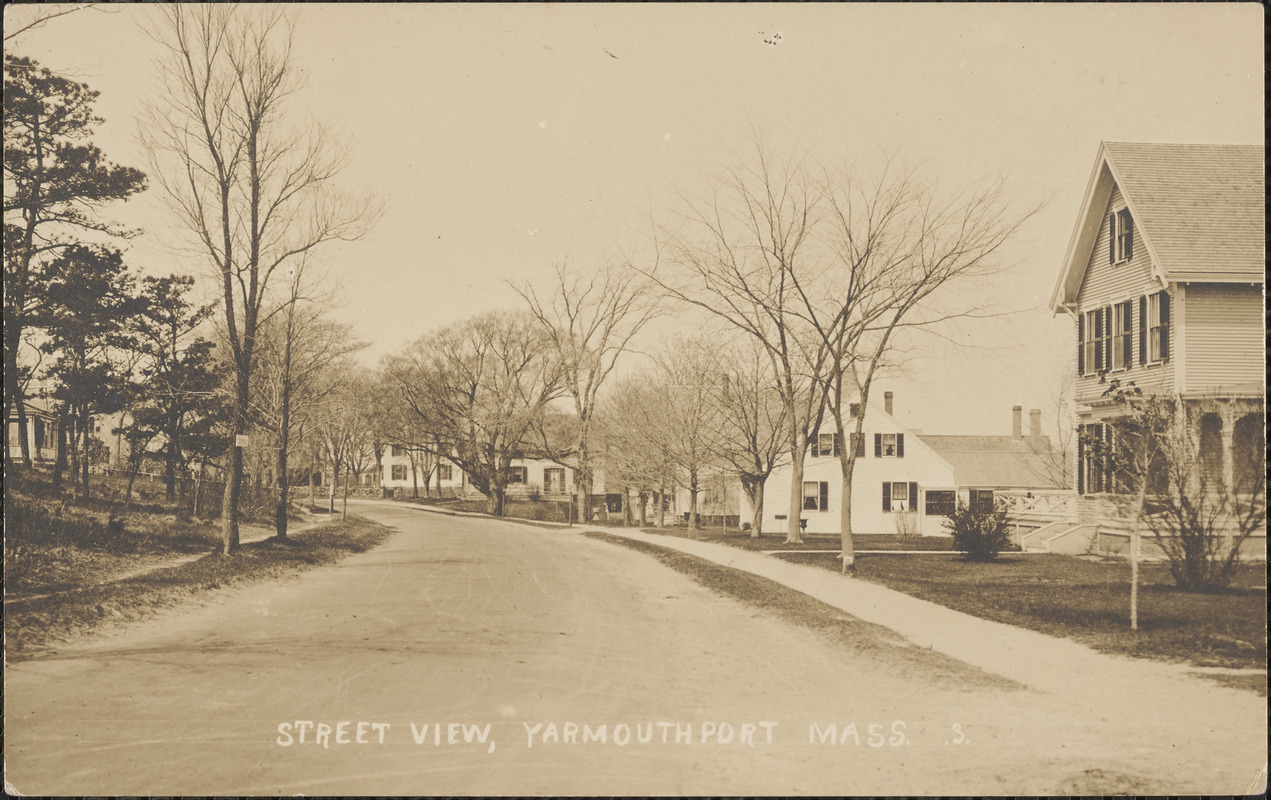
899 485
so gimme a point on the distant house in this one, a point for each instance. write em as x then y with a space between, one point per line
41 426
905 482
527 477
1163 279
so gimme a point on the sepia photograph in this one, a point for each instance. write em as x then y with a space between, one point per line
634 399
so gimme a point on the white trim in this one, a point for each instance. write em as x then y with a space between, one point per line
1177 318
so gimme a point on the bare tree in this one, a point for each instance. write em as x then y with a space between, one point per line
590 320
478 390
893 244
754 432
295 351
737 254
631 442
255 192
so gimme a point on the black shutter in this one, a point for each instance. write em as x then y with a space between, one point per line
1081 345
1164 326
1127 325
825 496
886 496
1081 459
1112 238
1107 337
913 495
838 444
1142 330
1128 222
878 445
854 409
900 445
1097 334
814 451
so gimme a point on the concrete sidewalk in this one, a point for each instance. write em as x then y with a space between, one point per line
1032 658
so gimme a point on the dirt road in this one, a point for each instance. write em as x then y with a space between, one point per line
526 646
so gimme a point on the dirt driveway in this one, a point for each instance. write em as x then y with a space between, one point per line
558 664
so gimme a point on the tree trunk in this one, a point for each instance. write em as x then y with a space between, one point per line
692 502
794 532
344 506
335 478
170 469
234 475
644 511
845 518
59 465
14 399
755 492
284 441
198 486
83 461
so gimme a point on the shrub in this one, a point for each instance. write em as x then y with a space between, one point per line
980 533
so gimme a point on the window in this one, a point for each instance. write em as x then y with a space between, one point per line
827 444
1158 326
816 496
854 410
941 502
399 450
1096 354
399 472
981 499
1121 235
1122 325
1093 444
444 472
554 480
889 445
517 475
1249 454
899 496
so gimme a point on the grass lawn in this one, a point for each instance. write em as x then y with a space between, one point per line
744 540
1089 600
864 640
72 592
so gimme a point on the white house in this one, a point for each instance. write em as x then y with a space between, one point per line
899 485
527 477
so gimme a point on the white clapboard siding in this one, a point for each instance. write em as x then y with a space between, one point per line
920 464
1224 336
1106 284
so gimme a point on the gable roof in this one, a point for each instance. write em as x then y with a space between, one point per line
1199 209
999 461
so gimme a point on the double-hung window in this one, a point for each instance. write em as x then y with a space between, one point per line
1122 325
399 472
517 475
816 496
1094 341
443 472
1158 313
1121 235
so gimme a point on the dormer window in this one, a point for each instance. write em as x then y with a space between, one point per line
1121 236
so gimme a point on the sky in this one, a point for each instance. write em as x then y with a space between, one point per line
504 139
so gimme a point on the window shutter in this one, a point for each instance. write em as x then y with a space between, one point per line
1098 334
1127 325
813 451
1112 238
886 496
860 445
825 496
854 410
1081 344
1081 459
1107 337
913 495
1165 326
838 444
1128 222
878 445
900 445
1142 330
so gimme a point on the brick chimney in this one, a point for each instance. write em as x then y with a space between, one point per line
887 402
1035 424
1017 422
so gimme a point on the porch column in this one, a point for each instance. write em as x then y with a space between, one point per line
1228 416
